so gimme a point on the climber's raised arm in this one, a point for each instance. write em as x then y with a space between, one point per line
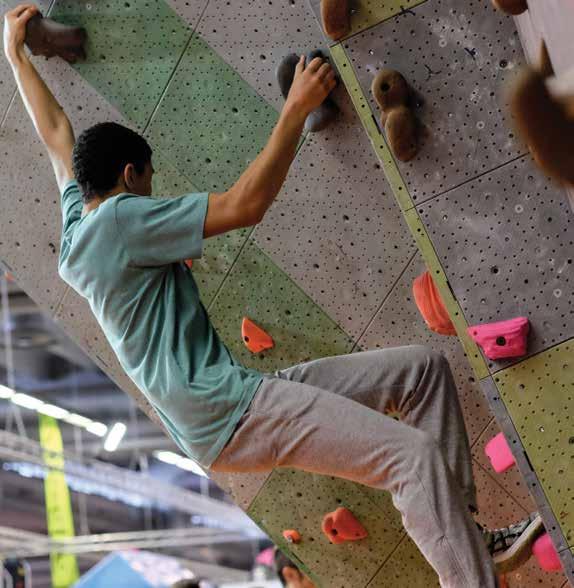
245 203
51 123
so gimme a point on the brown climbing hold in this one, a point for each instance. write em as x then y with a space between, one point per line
292 536
401 129
47 37
545 66
254 337
336 16
391 91
513 7
545 124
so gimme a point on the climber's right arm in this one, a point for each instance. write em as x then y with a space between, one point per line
247 201
51 123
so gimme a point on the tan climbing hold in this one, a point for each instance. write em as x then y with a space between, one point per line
391 91
336 16
545 124
513 7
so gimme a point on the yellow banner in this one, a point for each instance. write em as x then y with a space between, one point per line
58 505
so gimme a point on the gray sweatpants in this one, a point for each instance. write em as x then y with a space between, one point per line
330 417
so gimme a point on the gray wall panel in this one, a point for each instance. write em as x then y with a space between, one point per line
456 56
253 36
336 229
506 242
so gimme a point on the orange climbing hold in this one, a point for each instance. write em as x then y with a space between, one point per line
342 526
292 536
189 263
254 337
431 306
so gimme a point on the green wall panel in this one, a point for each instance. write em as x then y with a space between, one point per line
406 567
539 395
133 48
210 123
292 499
258 289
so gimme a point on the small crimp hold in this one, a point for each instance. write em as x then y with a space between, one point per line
292 536
498 451
254 337
546 554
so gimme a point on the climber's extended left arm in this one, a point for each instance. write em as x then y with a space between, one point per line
51 123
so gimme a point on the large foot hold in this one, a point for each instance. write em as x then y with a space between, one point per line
545 123
392 92
431 305
342 526
321 117
502 339
336 16
49 38
513 7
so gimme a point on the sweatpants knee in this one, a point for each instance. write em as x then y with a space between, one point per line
425 356
425 449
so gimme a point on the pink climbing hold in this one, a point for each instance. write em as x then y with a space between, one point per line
503 339
341 526
545 552
499 453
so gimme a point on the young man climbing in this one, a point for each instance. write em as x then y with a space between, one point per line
122 251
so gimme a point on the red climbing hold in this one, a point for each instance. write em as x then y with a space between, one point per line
546 555
431 306
342 526
499 453
189 263
292 536
502 339
254 337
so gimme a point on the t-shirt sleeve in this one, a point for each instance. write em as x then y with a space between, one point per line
160 231
72 204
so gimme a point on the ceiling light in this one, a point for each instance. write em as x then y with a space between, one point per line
26 401
78 420
53 411
191 466
167 457
115 436
98 429
181 462
6 392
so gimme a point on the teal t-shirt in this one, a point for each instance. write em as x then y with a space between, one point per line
125 258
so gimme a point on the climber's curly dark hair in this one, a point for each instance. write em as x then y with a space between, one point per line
102 152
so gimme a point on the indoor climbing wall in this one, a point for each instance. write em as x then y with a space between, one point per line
496 234
330 269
